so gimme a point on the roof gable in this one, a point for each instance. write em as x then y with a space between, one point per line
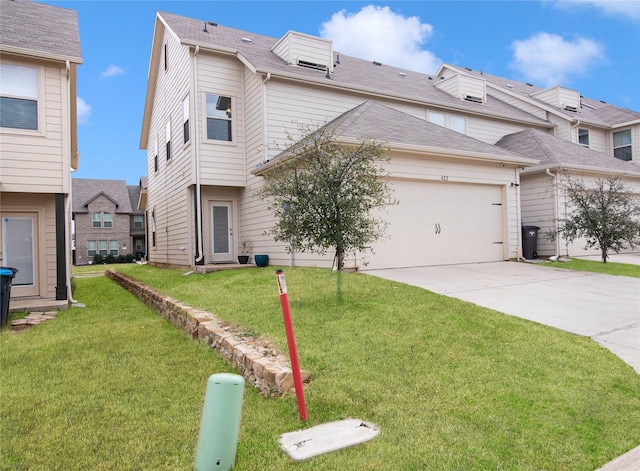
552 152
85 190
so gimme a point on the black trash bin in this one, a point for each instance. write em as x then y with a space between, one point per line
530 242
6 275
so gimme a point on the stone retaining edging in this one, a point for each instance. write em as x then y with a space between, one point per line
256 359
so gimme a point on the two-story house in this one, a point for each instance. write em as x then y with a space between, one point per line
107 219
221 104
40 52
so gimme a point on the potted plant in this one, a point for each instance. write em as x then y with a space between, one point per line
245 250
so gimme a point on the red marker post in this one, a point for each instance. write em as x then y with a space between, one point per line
291 341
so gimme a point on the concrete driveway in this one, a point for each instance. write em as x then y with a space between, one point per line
603 307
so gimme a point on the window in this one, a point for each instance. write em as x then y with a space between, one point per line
167 134
91 248
113 247
155 154
166 49
102 247
436 118
458 124
583 137
138 222
153 226
185 119
622 145
219 118
18 97
107 220
96 220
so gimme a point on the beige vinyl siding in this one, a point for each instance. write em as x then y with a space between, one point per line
599 140
559 97
221 163
518 103
38 161
168 188
492 130
537 202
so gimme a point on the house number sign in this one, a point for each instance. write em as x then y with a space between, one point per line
444 178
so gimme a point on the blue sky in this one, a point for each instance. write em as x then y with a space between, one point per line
592 46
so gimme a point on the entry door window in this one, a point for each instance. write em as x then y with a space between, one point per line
221 229
18 248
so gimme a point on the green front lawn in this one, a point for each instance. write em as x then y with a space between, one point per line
609 268
451 385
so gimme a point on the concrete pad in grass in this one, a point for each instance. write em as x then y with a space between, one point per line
324 438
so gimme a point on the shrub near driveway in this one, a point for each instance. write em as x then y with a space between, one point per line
452 385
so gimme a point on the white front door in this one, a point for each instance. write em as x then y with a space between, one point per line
222 232
19 251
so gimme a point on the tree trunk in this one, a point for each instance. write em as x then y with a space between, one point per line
340 258
604 255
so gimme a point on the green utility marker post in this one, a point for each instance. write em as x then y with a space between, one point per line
220 423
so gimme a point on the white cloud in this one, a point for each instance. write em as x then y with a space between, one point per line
612 7
549 60
112 71
377 33
84 111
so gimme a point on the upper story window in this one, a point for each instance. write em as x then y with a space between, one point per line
168 139
454 122
219 118
622 145
437 118
185 119
583 137
18 97
458 124
155 154
102 220
138 222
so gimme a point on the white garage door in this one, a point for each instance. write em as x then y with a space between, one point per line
441 223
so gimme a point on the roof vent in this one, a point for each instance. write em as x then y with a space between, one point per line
475 99
402 74
246 40
469 69
571 108
377 63
312 65
530 84
509 85
337 58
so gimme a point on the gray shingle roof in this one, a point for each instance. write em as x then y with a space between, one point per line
38 28
358 74
134 196
593 111
85 190
552 151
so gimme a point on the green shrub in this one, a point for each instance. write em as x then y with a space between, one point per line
98 259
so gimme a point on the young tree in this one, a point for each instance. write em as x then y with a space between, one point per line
323 193
604 213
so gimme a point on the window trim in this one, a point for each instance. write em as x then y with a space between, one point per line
583 132
95 220
105 221
232 119
41 109
630 145
141 221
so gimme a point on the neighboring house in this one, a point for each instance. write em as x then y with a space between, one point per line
543 200
40 51
221 104
107 221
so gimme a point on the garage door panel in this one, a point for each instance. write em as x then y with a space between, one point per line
441 223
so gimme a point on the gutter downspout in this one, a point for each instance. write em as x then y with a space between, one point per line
196 149
68 208
555 210
519 214
265 141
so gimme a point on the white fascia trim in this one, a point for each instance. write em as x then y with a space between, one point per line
584 168
39 54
